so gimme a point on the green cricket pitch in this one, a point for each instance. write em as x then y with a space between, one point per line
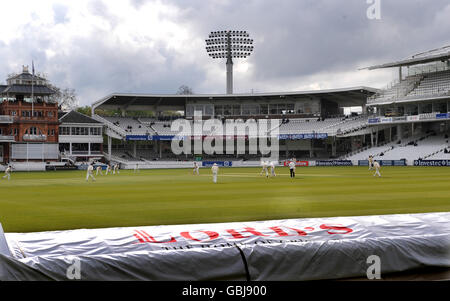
58 200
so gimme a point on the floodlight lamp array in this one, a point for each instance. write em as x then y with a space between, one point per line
229 44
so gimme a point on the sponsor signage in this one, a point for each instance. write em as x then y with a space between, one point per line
427 116
399 118
334 163
399 162
219 163
363 162
386 119
155 137
384 162
164 137
373 120
302 136
412 118
442 116
432 163
136 137
298 163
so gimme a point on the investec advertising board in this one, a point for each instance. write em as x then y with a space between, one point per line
219 163
432 163
334 163
293 249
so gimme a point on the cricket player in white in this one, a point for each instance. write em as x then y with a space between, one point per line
108 169
272 169
98 170
7 173
264 169
377 167
116 169
196 169
215 171
89 173
292 168
136 168
370 162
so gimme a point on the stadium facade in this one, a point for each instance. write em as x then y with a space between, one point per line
310 121
407 121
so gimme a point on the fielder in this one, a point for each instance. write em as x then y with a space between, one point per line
116 169
7 173
108 169
215 171
196 169
292 168
377 167
89 173
272 169
264 169
136 168
98 170
370 162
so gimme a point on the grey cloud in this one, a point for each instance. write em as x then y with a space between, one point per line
60 13
293 40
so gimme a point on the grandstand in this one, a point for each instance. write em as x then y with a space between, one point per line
395 123
411 116
307 116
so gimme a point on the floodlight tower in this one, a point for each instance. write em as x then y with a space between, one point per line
229 44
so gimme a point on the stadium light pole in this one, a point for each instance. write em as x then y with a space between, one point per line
229 44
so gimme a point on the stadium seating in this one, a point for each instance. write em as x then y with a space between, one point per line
416 86
151 126
131 125
436 83
397 90
430 146
308 125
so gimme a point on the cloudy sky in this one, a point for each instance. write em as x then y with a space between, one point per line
101 46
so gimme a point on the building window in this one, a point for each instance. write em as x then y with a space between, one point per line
95 131
50 114
64 130
218 110
96 147
75 131
85 131
264 109
64 147
33 131
236 109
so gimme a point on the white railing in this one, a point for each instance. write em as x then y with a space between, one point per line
34 137
8 138
6 119
111 125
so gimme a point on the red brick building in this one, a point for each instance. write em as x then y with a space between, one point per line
28 119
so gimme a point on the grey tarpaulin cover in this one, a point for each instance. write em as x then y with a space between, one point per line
293 249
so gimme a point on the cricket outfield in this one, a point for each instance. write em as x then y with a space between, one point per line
58 200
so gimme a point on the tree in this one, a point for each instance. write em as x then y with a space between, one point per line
66 98
185 90
86 110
